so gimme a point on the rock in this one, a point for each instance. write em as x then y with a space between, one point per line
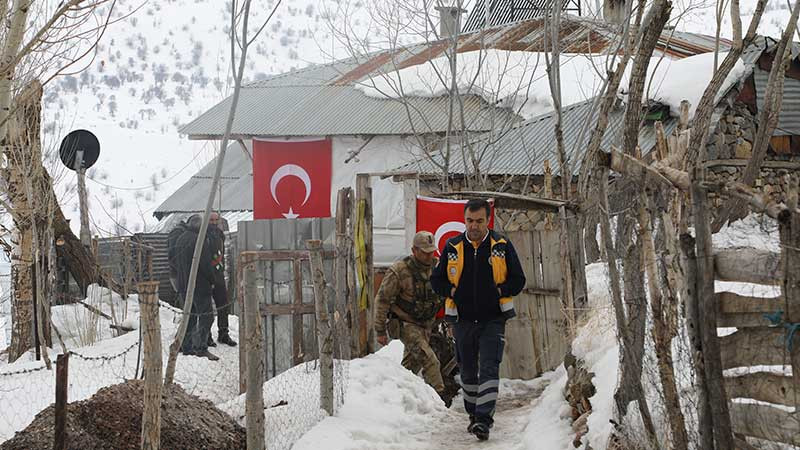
743 149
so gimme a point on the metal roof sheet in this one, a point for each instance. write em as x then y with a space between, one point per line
789 118
524 149
335 110
236 183
500 12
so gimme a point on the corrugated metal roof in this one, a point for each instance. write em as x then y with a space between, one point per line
524 149
335 110
789 118
310 101
237 187
501 12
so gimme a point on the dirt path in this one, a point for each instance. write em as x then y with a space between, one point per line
510 420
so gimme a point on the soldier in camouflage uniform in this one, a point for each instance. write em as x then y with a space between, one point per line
407 302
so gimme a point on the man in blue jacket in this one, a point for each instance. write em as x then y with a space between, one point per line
479 273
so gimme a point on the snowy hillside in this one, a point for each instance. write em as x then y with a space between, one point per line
155 70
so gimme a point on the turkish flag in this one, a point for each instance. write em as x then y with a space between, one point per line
291 179
443 217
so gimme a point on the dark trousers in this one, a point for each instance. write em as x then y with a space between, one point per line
199 327
223 306
479 351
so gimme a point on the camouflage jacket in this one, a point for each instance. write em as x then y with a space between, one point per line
406 292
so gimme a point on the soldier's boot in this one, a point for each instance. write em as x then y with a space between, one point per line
481 431
472 423
225 338
209 355
211 342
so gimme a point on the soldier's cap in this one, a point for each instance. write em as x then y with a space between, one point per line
423 240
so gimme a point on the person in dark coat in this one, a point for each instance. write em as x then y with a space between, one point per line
479 273
216 233
195 341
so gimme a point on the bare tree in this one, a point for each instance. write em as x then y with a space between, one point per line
40 42
240 14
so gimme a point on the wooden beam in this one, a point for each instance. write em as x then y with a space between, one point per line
542 291
731 303
753 347
743 162
763 386
757 201
289 309
514 201
765 422
323 325
653 175
762 267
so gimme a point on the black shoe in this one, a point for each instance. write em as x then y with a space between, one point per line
471 424
226 339
481 431
211 342
187 352
209 355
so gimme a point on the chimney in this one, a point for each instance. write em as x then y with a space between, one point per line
614 11
449 21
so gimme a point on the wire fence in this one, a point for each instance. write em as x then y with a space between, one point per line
291 391
754 350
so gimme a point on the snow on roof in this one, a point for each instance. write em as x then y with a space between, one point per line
518 79
513 79
671 81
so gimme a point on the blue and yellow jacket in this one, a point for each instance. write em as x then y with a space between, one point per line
477 271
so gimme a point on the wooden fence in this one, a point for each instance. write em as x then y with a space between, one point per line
766 336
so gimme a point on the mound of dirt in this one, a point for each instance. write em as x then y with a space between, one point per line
112 419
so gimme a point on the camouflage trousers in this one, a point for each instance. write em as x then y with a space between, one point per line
419 355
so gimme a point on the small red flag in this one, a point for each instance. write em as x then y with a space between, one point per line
443 217
291 179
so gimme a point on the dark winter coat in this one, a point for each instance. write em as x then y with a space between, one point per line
478 274
206 272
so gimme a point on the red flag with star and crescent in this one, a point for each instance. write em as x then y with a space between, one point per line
443 217
291 179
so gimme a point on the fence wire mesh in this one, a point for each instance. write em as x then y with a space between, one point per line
758 388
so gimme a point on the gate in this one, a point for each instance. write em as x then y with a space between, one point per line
537 338
274 265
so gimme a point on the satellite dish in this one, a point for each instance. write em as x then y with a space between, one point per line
79 140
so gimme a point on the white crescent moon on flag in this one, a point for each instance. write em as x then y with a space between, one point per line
290 170
448 227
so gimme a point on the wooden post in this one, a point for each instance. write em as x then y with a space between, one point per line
254 399
126 264
364 194
410 192
240 295
721 420
86 235
343 249
567 296
689 263
324 332
790 242
151 343
62 385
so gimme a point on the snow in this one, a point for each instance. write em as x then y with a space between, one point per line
513 79
671 81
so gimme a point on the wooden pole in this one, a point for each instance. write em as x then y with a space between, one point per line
693 325
62 385
254 399
364 194
343 247
86 236
151 343
721 420
790 242
240 295
324 334
410 192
